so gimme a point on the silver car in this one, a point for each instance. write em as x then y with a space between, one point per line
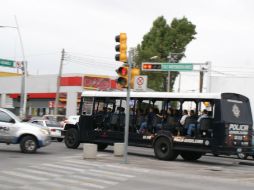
28 135
56 131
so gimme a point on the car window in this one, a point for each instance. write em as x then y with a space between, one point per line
52 123
4 117
38 122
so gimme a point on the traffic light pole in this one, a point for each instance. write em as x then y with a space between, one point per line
126 132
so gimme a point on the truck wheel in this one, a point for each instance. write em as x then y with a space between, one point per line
71 138
102 146
28 144
163 149
242 156
59 139
190 156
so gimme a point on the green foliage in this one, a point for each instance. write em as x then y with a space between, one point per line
160 41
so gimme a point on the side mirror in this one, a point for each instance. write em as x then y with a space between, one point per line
12 120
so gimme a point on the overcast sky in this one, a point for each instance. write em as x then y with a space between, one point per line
86 29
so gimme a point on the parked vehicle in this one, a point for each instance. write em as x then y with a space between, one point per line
56 131
29 136
58 118
73 120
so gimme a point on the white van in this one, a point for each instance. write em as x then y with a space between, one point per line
29 136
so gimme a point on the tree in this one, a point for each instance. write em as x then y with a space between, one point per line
160 41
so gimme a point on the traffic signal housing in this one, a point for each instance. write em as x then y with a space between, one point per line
121 47
134 72
122 80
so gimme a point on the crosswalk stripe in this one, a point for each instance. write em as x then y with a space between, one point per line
51 170
64 167
4 186
80 182
109 182
48 174
51 185
22 175
75 165
111 173
83 162
107 176
7 179
141 170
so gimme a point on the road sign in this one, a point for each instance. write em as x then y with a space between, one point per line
177 67
167 66
6 63
140 83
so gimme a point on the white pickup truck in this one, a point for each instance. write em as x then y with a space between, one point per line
29 136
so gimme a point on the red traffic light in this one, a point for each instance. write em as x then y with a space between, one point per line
151 66
122 71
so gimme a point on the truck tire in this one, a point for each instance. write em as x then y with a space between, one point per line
102 146
242 156
71 139
191 156
28 144
163 149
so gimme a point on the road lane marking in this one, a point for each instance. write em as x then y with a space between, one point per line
111 173
64 167
79 182
109 182
27 170
22 175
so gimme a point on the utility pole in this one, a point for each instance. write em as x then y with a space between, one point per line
58 83
23 94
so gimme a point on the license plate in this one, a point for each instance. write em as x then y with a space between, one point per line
238 137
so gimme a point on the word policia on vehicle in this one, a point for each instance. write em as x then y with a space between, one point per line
189 125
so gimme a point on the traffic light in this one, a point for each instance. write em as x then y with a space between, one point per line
134 72
122 80
121 47
151 66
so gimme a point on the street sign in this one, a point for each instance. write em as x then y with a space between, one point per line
167 66
177 67
140 83
6 63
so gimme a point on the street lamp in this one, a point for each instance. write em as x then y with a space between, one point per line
23 97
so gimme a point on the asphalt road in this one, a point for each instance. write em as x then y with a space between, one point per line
56 167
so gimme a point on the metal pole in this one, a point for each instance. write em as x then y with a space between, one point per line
179 83
168 83
23 97
127 116
58 83
208 80
201 78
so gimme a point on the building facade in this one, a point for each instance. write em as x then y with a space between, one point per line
41 92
